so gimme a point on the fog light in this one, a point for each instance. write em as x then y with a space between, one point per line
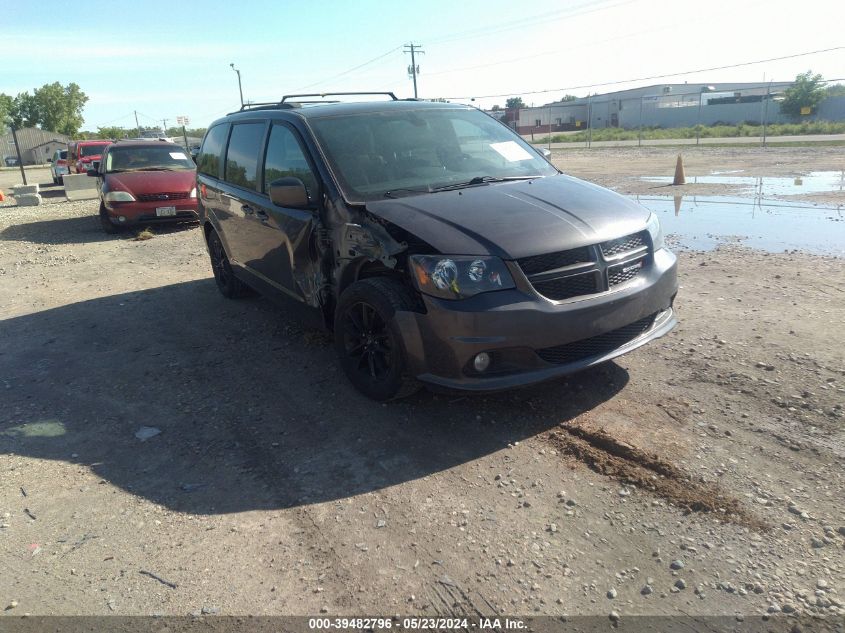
481 362
122 219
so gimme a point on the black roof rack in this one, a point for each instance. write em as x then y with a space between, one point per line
284 104
267 105
336 94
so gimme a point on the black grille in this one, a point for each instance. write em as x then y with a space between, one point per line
164 196
551 261
624 244
624 272
596 345
567 287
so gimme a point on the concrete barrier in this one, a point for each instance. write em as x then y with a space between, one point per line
28 199
80 187
22 190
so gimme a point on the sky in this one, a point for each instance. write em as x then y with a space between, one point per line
172 58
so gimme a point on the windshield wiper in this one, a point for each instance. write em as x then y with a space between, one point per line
392 193
480 180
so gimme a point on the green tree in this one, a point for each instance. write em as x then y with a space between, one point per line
569 98
6 104
835 90
806 92
60 107
112 131
515 102
52 107
24 111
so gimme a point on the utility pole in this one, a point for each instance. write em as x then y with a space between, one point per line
18 152
164 123
137 125
413 69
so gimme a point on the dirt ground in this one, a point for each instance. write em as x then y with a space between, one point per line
700 475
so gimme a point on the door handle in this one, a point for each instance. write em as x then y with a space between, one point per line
261 214
247 209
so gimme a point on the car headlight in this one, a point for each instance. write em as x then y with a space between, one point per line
653 227
449 277
193 193
119 196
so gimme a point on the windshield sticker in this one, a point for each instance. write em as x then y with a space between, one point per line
178 156
510 151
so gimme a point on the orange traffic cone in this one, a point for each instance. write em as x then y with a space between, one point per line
2 197
680 177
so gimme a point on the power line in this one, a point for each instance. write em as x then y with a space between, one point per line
351 70
675 74
520 23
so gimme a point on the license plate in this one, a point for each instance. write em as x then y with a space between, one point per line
164 212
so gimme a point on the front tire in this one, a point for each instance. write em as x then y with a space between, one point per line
368 341
230 286
105 222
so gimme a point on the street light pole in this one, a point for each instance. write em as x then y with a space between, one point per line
240 89
640 126
766 111
698 121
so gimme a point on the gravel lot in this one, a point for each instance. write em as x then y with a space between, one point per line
700 475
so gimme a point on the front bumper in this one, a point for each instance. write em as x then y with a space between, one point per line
514 325
135 213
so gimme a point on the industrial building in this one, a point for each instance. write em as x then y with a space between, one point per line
36 145
667 106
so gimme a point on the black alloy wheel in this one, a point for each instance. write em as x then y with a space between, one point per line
230 286
368 340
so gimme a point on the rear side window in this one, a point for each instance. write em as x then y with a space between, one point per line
208 161
286 158
242 156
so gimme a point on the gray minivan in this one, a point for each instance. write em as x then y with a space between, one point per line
438 246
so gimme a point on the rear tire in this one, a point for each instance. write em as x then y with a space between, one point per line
230 286
368 340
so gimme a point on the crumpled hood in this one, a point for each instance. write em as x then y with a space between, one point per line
515 219
148 182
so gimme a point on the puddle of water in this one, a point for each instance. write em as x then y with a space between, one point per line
814 182
705 222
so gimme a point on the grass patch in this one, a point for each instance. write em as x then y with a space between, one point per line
749 145
146 234
713 131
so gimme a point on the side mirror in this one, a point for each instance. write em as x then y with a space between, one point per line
92 172
289 192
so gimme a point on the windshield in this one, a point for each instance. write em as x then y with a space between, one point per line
147 158
403 153
92 150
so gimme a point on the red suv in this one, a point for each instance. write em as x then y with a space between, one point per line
83 154
143 182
